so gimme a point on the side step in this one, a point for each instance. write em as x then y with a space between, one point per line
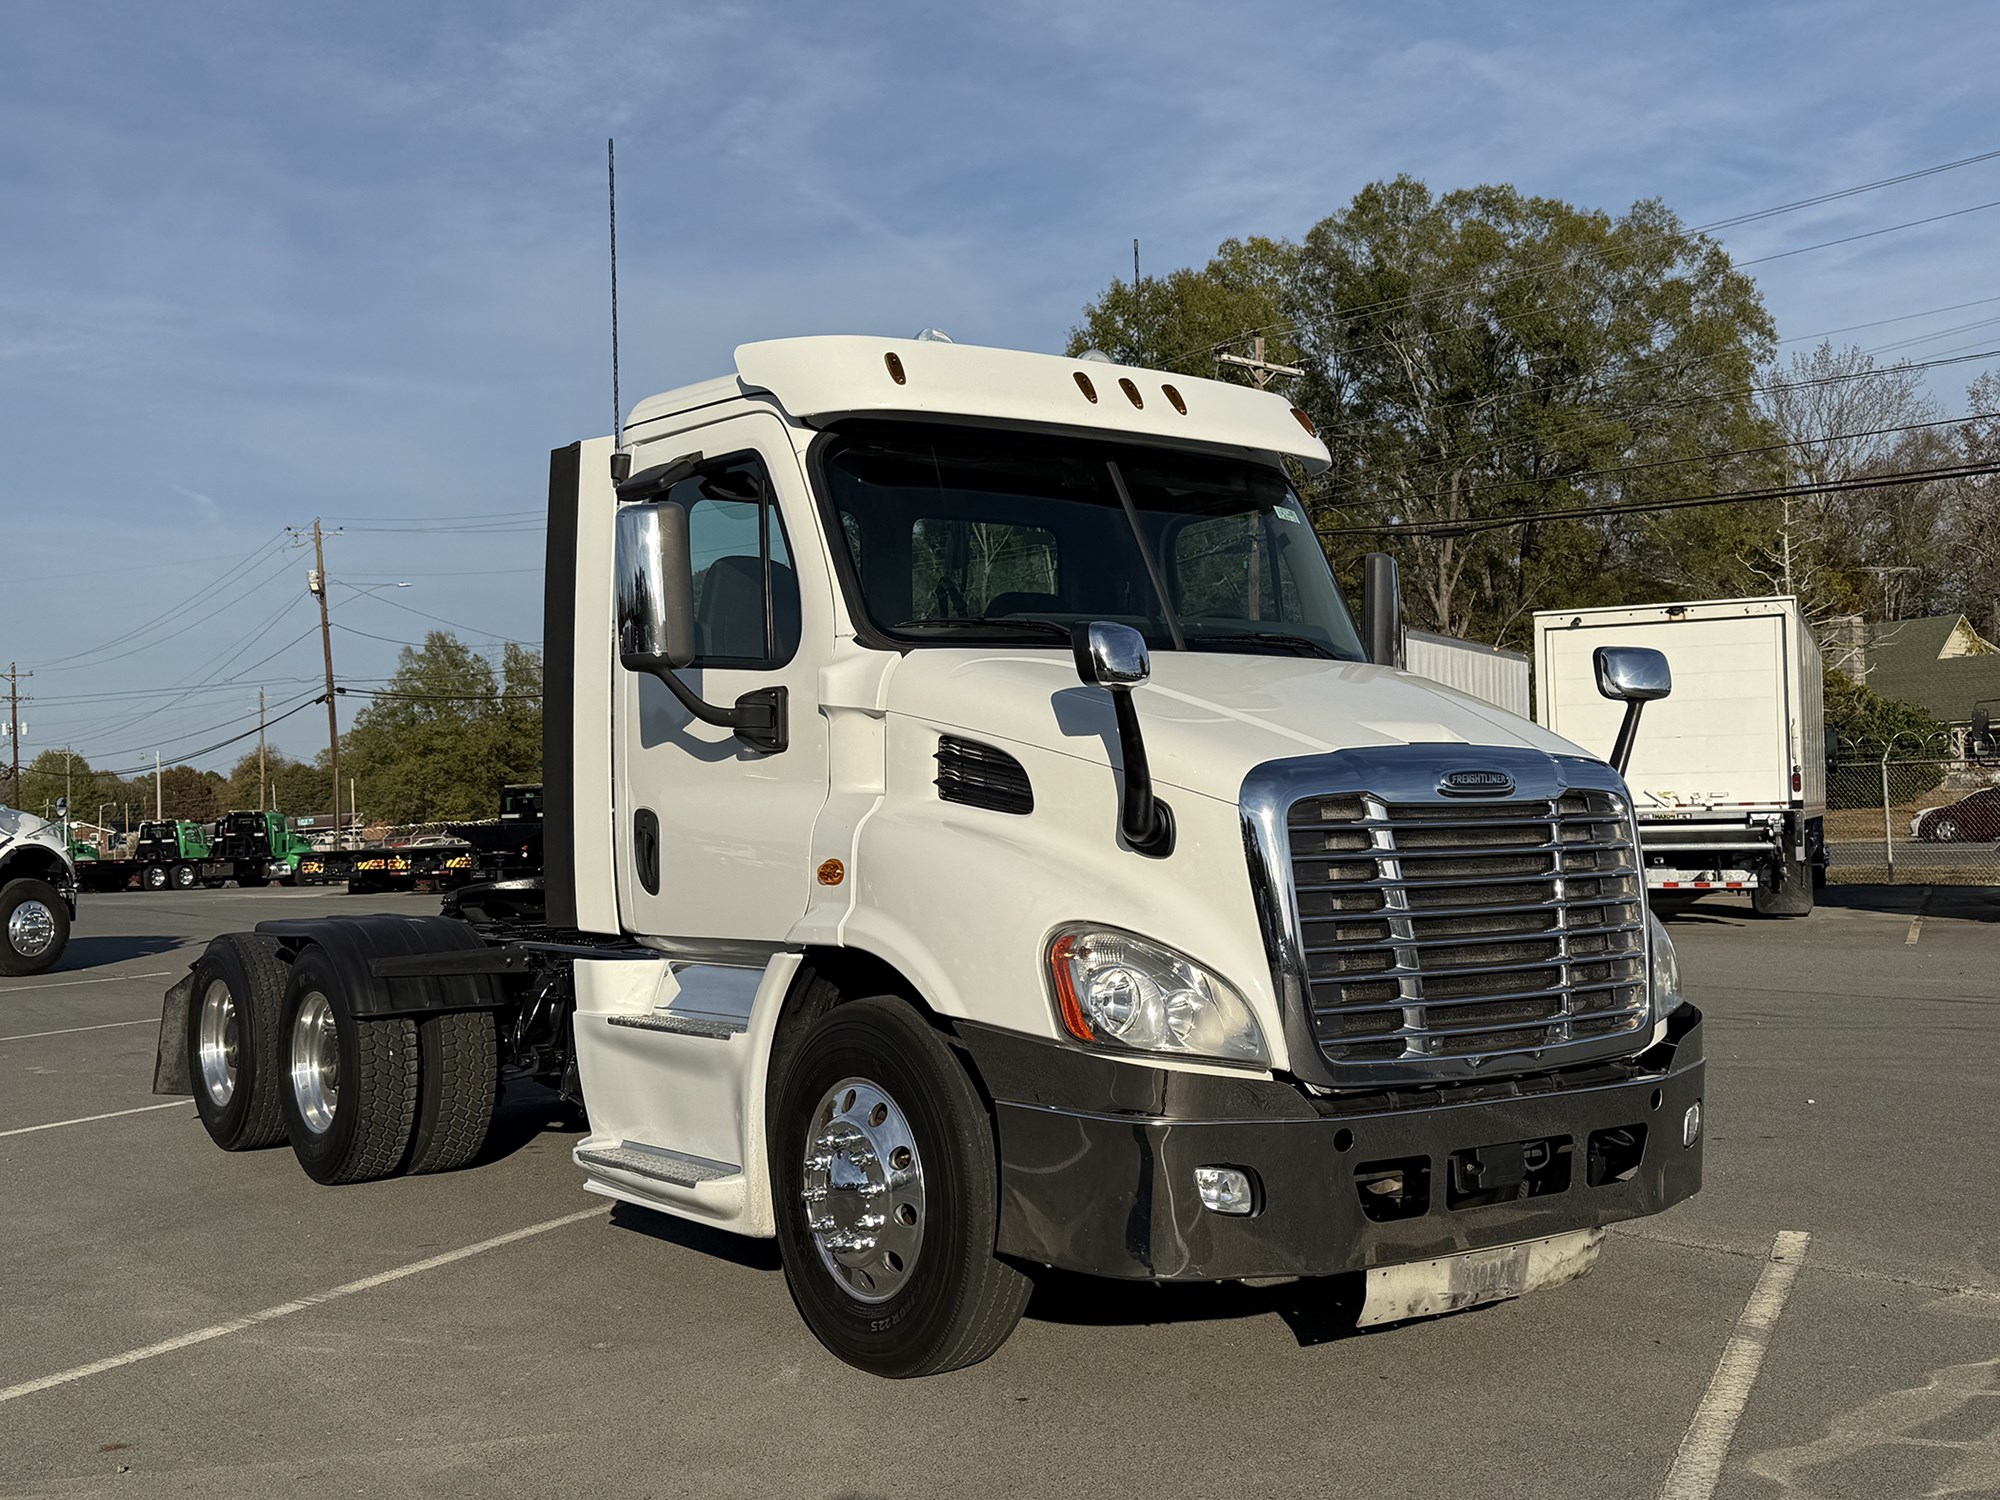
718 1028
654 1162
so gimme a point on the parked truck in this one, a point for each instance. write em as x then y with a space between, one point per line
977 837
1730 777
1492 674
38 892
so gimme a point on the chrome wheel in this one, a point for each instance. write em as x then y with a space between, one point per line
864 1190
316 1062
31 928
217 1038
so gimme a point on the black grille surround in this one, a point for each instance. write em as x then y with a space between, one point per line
980 775
1425 936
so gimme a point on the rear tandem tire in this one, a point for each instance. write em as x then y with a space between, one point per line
351 1084
458 1087
155 878
235 1059
184 877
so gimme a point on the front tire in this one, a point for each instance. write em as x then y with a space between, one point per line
1942 831
34 927
351 1084
887 1189
235 1058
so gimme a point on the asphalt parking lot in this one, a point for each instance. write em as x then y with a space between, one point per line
345 1341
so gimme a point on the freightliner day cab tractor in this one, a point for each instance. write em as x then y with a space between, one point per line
977 837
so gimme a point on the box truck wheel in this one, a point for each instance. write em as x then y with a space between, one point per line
155 878
350 1096
887 1196
234 1058
34 926
184 877
1790 896
458 1067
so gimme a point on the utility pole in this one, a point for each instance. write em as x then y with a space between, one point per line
316 582
260 749
1135 265
159 799
1261 370
14 676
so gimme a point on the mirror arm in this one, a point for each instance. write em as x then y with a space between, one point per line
1146 822
1628 731
758 719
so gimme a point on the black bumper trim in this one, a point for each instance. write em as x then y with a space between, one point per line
1091 1184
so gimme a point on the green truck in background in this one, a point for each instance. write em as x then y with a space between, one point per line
250 848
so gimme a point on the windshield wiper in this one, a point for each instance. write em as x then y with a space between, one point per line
1299 644
1047 628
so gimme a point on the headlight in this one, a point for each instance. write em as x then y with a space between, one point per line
1666 970
1121 990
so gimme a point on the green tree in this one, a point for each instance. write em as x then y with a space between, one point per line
446 733
59 773
1484 354
188 793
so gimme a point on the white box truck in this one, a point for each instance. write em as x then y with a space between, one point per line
1729 774
978 837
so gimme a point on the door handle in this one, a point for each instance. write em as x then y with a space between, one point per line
646 848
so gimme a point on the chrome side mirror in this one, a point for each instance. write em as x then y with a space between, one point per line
655 587
1634 676
1111 655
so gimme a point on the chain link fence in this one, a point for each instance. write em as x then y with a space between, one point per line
1913 811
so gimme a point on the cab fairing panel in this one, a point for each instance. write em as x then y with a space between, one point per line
962 901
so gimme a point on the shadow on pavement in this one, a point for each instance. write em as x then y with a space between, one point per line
1951 903
94 952
756 1255
1317 1310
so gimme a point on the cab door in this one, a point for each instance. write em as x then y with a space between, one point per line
713 835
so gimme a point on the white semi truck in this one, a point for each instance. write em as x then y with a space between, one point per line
37 893
1729 779
978 837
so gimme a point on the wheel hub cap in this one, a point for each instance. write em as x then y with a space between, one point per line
217 1041
316 1063
31 928
864 1190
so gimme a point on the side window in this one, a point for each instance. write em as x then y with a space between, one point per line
981 570
1232 568
746 592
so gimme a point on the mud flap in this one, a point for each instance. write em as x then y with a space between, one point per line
170 1070
1426 1288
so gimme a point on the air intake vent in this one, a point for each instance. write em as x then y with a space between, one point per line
981 776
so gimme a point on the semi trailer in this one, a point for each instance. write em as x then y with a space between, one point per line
1730 779
978 837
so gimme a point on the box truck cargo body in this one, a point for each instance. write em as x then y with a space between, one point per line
1491 674
1729 777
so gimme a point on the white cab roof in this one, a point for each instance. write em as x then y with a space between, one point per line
817 380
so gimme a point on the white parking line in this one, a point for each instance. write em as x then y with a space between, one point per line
1916 931
286 1309
1698 1465
63 984
29 1036
86 1119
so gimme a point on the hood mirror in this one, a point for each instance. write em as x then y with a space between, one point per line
1634 676
1114 657
1111 655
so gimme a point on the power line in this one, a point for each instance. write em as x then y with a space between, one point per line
207 588
1891 480
195 755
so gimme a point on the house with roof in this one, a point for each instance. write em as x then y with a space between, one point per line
1940 664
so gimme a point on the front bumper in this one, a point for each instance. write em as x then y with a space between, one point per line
1097 1161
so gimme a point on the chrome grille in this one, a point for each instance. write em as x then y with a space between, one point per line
1459 930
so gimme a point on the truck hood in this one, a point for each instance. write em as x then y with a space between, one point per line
15 824
1208 718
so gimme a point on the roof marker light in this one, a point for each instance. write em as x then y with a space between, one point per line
895 368
1083 384
1174 396
1131 392
1305 421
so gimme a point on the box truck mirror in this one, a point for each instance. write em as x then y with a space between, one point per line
1634 676
655 595
1114 657
1382 610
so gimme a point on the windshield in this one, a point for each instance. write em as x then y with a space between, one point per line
958 536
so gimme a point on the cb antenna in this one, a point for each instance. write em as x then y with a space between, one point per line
619 460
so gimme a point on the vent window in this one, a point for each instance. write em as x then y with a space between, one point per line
981 776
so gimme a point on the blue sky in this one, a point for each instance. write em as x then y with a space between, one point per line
261 262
